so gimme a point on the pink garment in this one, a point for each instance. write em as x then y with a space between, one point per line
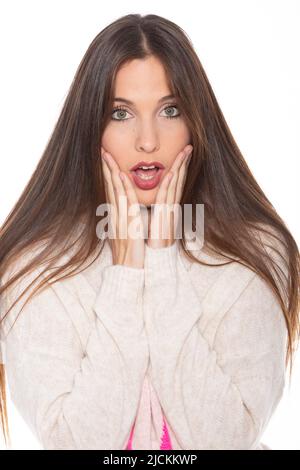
150 430
165 438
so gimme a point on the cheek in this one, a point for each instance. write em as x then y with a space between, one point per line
178 132
186 134
116 144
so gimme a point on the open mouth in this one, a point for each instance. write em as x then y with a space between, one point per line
146 174
147 179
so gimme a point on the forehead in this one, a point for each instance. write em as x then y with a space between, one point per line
140 80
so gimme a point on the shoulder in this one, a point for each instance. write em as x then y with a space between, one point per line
270 241
253 325
22 290
227 285
32 254
68 302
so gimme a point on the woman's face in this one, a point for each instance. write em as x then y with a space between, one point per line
142 131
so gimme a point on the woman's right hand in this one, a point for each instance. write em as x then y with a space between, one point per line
128 251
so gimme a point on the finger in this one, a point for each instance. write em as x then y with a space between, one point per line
132 198
182 178
161 194
182 174
173 209
163 188
110 195
158 211
119 192
172 214
108 182
130 191
114 172
176 167
166 194
179 160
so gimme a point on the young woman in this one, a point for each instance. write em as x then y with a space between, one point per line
138 342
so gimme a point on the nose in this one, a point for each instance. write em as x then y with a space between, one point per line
147 137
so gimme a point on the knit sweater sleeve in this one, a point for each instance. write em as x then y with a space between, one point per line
74 399
216 394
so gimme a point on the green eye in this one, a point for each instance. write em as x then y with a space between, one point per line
117 109
122 109
170 107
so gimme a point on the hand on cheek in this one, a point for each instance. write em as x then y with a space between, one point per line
164 217
126 250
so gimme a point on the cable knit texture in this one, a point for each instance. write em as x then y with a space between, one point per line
172 356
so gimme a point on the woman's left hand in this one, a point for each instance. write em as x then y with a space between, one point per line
167 204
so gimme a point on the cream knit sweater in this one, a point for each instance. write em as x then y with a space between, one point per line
114 357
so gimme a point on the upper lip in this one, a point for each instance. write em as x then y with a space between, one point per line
158 164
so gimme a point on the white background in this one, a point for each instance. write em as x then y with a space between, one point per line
250 52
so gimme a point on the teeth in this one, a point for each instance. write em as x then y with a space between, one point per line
147 167
145 177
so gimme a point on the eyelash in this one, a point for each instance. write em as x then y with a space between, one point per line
117 108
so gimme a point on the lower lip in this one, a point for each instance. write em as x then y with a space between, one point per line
147 184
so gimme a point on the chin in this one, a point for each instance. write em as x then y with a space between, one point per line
147 203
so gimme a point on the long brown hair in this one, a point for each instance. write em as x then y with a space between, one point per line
67 185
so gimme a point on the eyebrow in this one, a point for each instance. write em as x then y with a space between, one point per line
167 97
